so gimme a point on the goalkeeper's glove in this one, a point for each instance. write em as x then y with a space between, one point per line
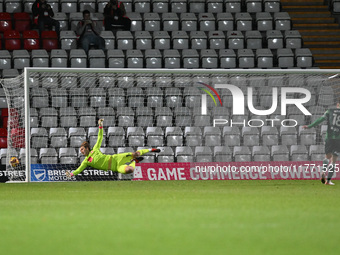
69 174
100 122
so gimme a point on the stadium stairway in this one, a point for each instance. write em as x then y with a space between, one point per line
319 28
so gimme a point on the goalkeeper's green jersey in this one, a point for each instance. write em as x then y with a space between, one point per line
332 116
96 159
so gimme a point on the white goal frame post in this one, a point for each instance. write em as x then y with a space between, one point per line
28 70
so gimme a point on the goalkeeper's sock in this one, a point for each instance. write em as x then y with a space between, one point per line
330 172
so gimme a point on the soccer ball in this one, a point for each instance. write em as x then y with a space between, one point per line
14 161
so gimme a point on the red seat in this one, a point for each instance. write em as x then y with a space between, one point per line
5 122
3 142
22 21
49 40
31 40
5 21
12 40
3 132
4 112
18 137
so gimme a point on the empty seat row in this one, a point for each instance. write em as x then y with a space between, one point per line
156 6
188 58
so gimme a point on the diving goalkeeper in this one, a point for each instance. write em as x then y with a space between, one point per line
123 163
332 141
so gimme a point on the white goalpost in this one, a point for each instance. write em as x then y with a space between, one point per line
194 115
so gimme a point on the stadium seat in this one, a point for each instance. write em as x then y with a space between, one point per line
89 5
316 152
135 97
48 117
59 58
193 136
253 39
272 5
161 40
235 40
68 6
68 156
160 6
68 40
183 116
209 59
3 101
116 97
264 21
163 117
154 97
174 136
49 40
192 97
293 39
40 97
134 59
206 22
58 137
180 40
145 116
135 136
261 153
288 135
116 136
97 97
203 154
96 58
22 21
299 153
232 136
280 153
282 21
243 21
307 136
40 58
178 6
152 21
212 136
172 59
87 117
241 154
216 40
68 117
116 58
303 58
31 40
285 58
188 22
28 5
153 58
12 40
190 58
39 138
233 6
126 117
92 135
250 136
143 40
13 6
246 58
166 155
124 40
170 21
269 135
264 58
222 154
78 58
48 156
225 21
154 137
253 6
5 21
109 38
227 58
108 114
184 154
76 136
198 40
142 6
5 59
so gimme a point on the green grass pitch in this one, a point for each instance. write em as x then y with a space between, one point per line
170 217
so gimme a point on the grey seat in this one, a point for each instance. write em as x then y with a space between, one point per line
274 39
110 39
153 58
87 117
209 58
196 6
285 58
68 117
135 97
242 154
269 135
108 114
143 40
48 156
160 6
293 39
116 136
251 136
116 58
164 117
303 58
170 21
235 40
215 6
254 6
198 40
166 155
154 136
126 117
282 21
135 136
192 97
212 136
299 153
68 6
59 97
58 137
261 153
78 58
178 6
201 120
253 39
154 97
193 136
22 156
225 21
246 58
232 136
172 59
97 97
39 137
59 58
124 40
96 58
264 21
76 136
264 58
272 5
142 6
216 40
203 154
243 21
307 136
280 153
79 97
161 40
227 58
174 136
21 59
206 21
222 154
184 154
316 152
180 40
188 22
134 59
40 97
288 135
136 20
152 22
116 97
183 116
145 116
40 58
68 40
68 156
190 58
233 6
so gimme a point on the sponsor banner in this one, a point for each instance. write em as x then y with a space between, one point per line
57 172
276 170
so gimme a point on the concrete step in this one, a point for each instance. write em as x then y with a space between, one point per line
309 14
317 20
297 8
306 32
302 2
321 38
322 50
315 26
326 56
327 63
334 44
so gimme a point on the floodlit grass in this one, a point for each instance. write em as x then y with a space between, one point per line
170 217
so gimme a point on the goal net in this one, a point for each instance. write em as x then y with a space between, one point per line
194 116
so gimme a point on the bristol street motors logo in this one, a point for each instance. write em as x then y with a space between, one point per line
40 174
284 94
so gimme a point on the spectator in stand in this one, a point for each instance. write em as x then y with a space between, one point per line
114 16
42 16
88 32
